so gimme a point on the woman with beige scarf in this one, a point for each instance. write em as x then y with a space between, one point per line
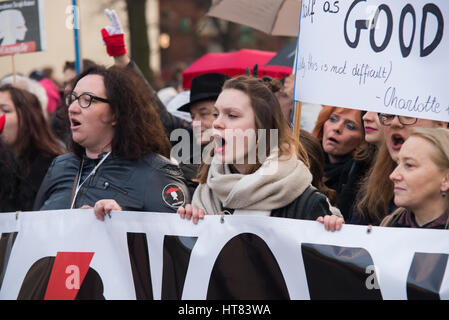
266 173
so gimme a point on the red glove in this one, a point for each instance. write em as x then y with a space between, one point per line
2 122
115 44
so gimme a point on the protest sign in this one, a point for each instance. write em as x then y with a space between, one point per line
21 27
71 255
382 56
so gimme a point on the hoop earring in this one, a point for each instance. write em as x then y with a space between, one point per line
443 194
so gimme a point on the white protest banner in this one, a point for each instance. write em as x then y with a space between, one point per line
21 27
376 55
69 254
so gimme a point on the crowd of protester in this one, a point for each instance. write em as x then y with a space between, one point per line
104 142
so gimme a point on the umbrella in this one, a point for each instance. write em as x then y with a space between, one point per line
233 64
275 17
285 57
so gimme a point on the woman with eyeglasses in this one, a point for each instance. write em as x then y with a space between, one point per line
118 149
27 135
377 191
420 182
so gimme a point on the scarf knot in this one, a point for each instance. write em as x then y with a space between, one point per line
274 185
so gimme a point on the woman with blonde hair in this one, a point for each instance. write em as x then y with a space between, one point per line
421 181
375 198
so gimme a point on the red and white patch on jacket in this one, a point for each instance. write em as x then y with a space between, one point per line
173 195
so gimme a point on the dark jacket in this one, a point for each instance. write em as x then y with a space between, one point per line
345 178
20 182
350 185
334 173
143 185
11 191
190 171
406 219
191 166
310 205
355 217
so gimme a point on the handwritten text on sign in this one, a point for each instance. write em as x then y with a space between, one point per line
375 55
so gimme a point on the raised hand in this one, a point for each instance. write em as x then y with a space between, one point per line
113 35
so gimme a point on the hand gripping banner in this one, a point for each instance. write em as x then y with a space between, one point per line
134 255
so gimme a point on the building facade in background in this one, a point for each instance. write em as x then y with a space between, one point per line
179 33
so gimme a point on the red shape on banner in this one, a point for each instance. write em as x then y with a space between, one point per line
22 47
67 275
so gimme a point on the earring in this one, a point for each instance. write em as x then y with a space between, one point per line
443 194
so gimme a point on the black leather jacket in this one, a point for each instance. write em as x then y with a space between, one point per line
309 205
150 184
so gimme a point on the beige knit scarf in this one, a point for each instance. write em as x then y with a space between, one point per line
274 185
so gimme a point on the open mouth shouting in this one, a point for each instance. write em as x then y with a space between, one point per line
74 124
397 141
332 140
220 144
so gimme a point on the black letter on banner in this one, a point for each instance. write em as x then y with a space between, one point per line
404 49
246 269
36 281
177 252
425 276
337 273
359 25
430 7
6 243
389 32
140 265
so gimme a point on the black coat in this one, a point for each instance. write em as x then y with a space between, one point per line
20 182
11 181
345 178
310 205
355 217
140 185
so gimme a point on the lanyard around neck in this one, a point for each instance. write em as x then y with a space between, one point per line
78 185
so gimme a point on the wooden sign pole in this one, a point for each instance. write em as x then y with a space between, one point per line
297 119
13 70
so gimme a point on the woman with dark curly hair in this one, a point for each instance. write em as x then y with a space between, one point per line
118 149
27 135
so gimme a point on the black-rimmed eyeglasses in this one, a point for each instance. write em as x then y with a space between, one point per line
386 119
84 99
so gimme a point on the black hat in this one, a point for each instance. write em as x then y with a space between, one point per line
205 87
